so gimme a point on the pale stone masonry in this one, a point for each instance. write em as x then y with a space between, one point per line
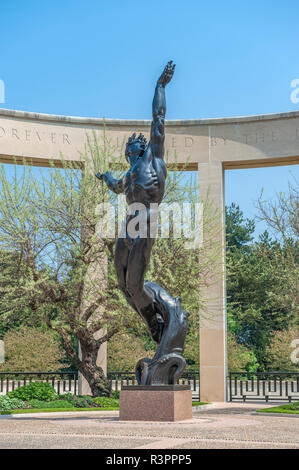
210 146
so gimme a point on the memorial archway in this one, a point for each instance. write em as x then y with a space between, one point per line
211 146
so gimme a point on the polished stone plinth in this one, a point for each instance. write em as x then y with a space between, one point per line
155 403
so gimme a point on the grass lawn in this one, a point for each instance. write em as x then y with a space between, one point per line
52 410
292 408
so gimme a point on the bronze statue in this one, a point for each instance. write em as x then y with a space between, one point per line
144 183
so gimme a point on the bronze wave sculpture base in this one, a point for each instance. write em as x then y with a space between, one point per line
168 363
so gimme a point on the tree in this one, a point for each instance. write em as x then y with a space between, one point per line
239 231
122 356
240 358
32 350
282 214
10 273
261 286
279 351
260 296
48 224
282 218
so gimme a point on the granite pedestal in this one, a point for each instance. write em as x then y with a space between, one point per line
155 403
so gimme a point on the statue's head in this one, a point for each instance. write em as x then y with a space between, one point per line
135 148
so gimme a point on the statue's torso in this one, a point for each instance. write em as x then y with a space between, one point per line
145 181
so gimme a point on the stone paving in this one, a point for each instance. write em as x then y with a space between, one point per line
226 425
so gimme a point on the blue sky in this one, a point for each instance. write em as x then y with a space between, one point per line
95 58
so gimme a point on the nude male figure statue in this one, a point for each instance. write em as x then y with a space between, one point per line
143 183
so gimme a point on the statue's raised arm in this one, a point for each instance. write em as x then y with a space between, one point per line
159 109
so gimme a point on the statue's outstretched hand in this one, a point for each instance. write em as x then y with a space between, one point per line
167 73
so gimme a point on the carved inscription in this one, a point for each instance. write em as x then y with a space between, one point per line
255 138
30 135
172 142
176 142
260 137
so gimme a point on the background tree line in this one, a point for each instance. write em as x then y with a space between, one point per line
262 285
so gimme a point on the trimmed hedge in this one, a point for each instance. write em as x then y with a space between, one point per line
35 390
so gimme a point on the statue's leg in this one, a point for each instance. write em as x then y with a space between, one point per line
121 261
137 265
138 261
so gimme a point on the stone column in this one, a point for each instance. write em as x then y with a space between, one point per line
213 368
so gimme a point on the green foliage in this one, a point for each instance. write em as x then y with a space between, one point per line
10 403
233 325
278 353
116 395
66 401
240 358
252 365
42 404
82 401
51 250
199 403
292 408
260 297
262 288
122 356
32 349
239 231
106 402
34 390
69 397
